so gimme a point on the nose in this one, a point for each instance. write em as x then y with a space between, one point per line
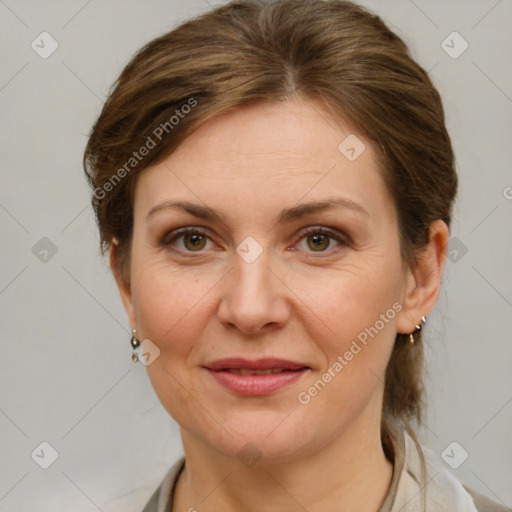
254 297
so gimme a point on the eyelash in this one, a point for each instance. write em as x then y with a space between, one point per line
343 240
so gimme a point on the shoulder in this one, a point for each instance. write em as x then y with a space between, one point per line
161 498
443 490
485 504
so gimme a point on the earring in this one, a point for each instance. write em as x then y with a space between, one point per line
135 343
418 329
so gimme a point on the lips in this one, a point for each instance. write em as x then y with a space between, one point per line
245 371
237 363
258 377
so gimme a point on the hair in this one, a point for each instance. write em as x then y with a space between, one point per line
246 52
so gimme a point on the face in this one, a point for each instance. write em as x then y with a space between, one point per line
292 253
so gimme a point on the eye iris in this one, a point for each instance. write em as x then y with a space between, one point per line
196 241
194 238
317 241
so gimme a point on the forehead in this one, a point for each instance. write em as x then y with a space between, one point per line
265 154
284 131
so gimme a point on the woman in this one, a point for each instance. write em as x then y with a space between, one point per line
274 184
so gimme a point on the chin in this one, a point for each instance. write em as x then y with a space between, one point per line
262 438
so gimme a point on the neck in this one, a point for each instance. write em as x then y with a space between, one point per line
349 473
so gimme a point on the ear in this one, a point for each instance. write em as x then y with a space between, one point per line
122 284
423 283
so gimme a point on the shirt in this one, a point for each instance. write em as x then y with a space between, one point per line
444 492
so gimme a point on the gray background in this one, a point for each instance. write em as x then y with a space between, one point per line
65 367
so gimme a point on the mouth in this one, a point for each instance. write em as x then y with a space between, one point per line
257 377
245 371
263 364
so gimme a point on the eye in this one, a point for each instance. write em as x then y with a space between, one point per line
193 239
319 239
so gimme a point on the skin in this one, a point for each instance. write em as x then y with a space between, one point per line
201 302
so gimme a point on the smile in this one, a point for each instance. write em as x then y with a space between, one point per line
246 382
244 371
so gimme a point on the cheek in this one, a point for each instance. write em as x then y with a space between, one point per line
170 304
349 301
332 307
356 334
171 310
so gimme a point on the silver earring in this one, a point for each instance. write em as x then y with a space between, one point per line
135 343
418 329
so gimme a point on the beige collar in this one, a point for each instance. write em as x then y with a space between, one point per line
443 490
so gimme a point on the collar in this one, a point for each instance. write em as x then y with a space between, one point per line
442 490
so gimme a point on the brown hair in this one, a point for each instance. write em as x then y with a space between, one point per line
250 51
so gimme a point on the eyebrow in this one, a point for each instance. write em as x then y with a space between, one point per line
286 215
